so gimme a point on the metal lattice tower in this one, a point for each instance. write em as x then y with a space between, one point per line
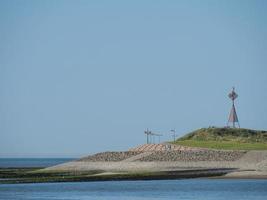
233 119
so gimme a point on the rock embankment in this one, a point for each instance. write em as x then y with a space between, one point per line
187 156
163 147
109 156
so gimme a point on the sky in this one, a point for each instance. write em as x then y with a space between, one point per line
79 77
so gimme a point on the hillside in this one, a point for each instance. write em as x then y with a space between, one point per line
225 138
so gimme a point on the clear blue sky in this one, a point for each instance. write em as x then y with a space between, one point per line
78 77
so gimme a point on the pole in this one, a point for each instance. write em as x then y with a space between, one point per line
147 135
173 134
233 107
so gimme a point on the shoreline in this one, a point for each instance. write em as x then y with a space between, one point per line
28 175
155 164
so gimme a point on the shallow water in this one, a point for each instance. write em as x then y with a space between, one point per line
139 190
31 162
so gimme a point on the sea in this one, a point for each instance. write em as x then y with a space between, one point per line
188 189
31 162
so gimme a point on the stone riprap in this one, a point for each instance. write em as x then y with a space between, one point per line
163 147
157 158
109 156
189 156
172 155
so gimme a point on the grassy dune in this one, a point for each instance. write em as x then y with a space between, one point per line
225 138
227 145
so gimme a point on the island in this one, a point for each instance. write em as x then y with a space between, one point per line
207 152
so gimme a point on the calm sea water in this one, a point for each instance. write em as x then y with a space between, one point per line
190 189
31 162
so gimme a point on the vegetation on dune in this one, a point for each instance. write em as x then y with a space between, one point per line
225 138
223 145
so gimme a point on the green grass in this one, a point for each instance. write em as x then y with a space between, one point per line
225 138
227 145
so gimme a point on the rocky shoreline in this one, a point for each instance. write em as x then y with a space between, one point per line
109 156
150 163
159 152
157 158
188 156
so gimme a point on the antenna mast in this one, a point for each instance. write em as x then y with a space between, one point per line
233 116
150 136
173 132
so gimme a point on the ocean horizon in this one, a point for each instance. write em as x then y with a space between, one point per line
31 162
